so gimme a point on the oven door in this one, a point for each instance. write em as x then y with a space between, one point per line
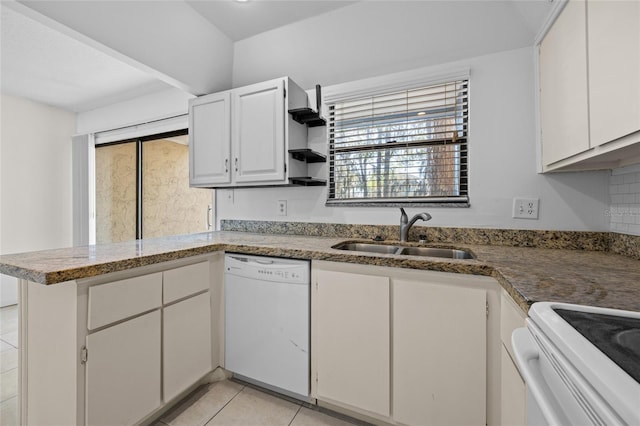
556 393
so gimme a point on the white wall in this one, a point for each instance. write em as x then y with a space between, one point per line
371 38
502 165
35 177
624 191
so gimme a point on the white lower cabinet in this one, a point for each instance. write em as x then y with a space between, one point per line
404 347
439 354
351 345
513 390
186 344
123 371
126 344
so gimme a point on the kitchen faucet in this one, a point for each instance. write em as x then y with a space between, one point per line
406 224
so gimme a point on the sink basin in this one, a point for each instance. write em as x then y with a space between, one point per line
370 248
436 252
447 253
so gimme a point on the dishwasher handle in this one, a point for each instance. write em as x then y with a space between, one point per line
252 261
268 262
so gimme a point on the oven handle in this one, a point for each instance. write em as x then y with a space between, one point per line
527 355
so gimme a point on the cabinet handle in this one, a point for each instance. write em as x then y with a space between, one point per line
209 209
236 164
226 165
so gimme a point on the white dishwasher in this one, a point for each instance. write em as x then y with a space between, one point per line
267 321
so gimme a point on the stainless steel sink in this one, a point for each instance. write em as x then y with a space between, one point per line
436 252
447 253
370 248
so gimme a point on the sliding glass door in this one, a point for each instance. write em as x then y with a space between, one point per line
142 190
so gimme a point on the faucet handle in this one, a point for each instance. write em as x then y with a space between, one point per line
403 214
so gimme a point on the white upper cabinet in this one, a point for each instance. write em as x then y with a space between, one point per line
259 132
209 140
564 110
614 69
589 65
242 137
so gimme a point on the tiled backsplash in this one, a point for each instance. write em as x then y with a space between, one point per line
624 191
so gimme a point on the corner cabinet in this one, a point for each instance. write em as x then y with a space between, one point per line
589 75
126 345
405 346
242 137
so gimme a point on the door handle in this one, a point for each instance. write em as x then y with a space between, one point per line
527 356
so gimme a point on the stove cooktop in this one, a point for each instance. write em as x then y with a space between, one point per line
617 337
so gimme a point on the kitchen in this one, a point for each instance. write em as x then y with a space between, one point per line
502 70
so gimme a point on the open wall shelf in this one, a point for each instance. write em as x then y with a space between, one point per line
307 181
307 116
308 155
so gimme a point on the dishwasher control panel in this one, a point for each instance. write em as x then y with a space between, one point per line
268 268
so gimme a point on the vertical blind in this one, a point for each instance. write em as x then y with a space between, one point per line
406 146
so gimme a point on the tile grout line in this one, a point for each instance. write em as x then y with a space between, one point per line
4 341
295 415
225 405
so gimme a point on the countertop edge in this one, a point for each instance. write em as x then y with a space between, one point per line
517 272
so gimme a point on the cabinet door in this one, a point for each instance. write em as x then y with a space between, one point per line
186 344
513 394
563 86
123 371
352 340
258 132
614 69
210 140
439 354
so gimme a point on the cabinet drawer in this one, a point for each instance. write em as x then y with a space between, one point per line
185 281
118 300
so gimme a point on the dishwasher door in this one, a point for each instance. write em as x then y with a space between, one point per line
267 322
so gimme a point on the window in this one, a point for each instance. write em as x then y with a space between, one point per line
402 147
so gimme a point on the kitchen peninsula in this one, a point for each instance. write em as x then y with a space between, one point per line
137 287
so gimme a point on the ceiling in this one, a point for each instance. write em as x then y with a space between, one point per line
42 64
243 19
82 55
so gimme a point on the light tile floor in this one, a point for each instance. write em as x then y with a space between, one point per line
222 403
229 403
8 365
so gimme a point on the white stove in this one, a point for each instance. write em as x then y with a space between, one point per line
581 365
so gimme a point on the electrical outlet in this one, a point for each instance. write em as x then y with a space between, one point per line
525 208
282 207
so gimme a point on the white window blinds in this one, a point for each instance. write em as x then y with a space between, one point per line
407 146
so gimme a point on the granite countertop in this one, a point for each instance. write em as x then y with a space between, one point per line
528 274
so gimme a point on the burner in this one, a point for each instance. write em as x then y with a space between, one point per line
629 339
617 337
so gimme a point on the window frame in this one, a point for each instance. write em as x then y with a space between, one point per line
378 86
